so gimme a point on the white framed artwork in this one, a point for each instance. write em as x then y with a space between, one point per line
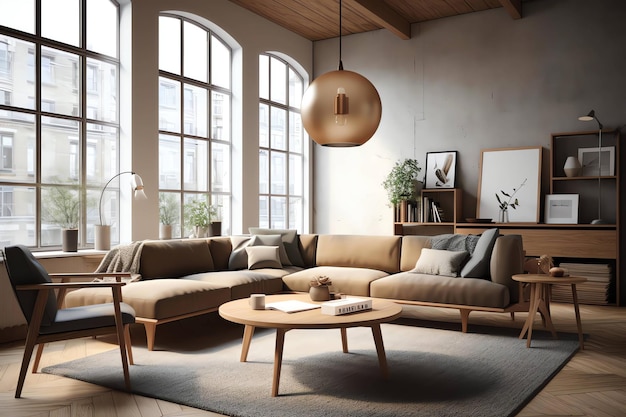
589 158
513 171
561 209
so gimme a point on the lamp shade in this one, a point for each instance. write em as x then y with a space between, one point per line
341 108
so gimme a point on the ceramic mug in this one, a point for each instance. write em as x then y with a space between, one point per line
257 301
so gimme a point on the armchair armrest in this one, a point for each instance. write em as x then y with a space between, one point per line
62 287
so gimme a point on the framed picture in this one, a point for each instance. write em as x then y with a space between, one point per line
517 172
561 208
589 158
440 169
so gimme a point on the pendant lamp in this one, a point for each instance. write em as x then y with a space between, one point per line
341 108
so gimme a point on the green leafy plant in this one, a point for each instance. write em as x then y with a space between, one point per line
401 180
169 210
503 203
198 213
61 206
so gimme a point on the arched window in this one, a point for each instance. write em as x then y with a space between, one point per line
59 118
281 145
194 123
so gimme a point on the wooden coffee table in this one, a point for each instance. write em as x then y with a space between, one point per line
239 311
540 302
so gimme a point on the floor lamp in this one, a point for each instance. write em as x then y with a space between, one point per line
589 117
102 240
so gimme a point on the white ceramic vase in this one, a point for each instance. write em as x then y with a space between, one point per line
572 167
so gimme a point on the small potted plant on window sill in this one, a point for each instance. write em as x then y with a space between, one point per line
168 214
199 215
61 206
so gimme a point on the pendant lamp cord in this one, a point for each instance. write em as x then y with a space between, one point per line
340 62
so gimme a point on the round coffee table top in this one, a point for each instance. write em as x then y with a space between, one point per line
547 279
239 311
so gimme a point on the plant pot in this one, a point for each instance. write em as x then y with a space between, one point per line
200 231
102 240
165 231
321 293
215 229
70 240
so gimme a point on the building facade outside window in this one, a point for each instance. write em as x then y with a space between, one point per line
194 122
281 145
59 120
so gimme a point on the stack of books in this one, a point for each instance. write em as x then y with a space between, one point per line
596 290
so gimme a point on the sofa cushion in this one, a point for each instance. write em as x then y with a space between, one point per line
478 264
244 282
411 250
440 289
158 299
347 280
290 239
174 258
263 257
440 262
370 252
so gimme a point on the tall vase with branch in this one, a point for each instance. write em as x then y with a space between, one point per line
508 201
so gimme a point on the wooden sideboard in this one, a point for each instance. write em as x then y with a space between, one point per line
576 241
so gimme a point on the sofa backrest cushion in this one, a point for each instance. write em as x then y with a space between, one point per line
507 259
411 249
308 248
174 258
374 252
220 248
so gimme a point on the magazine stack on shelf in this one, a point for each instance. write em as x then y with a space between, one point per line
597 289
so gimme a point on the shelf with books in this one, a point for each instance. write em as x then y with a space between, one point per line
439 211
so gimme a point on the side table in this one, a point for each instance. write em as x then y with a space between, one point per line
540 286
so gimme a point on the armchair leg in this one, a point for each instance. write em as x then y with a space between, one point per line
38 357
31 340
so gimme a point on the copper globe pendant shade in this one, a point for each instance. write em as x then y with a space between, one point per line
341 108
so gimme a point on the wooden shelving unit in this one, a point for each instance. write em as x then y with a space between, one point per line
451 204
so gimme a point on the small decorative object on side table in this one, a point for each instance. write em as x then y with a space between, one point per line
319 290
540 301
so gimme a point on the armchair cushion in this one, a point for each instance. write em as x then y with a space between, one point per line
88 317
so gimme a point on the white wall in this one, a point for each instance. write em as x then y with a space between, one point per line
468 83
254 35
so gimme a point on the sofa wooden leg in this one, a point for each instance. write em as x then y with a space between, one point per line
464 319
150 334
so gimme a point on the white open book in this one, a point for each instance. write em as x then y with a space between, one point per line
291 306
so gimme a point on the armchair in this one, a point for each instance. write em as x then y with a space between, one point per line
48 322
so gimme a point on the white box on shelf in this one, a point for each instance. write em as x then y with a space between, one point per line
346 305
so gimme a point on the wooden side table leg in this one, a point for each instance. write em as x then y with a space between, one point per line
380 350
278 360
535 290
344 340
529 319
248 331
578 323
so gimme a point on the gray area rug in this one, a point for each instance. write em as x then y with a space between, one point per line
432 372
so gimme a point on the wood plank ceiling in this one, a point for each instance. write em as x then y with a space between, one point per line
319 19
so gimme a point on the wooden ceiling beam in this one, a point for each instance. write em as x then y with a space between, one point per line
380 13
514 7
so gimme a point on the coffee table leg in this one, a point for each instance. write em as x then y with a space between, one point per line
344 340
380 350
247 338
278 359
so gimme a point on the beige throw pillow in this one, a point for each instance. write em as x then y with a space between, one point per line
440 262
263 257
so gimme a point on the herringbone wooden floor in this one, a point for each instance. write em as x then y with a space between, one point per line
593 383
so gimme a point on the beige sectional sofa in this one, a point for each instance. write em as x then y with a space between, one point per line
189 277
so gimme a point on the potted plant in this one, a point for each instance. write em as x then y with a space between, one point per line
61 206
319 290
169 214
402 181
507 201
198 215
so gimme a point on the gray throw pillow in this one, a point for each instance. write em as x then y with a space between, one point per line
239 257
478 264
272 240
290 239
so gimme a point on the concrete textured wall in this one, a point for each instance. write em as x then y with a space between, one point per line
468 83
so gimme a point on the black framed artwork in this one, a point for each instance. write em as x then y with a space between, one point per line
440 169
